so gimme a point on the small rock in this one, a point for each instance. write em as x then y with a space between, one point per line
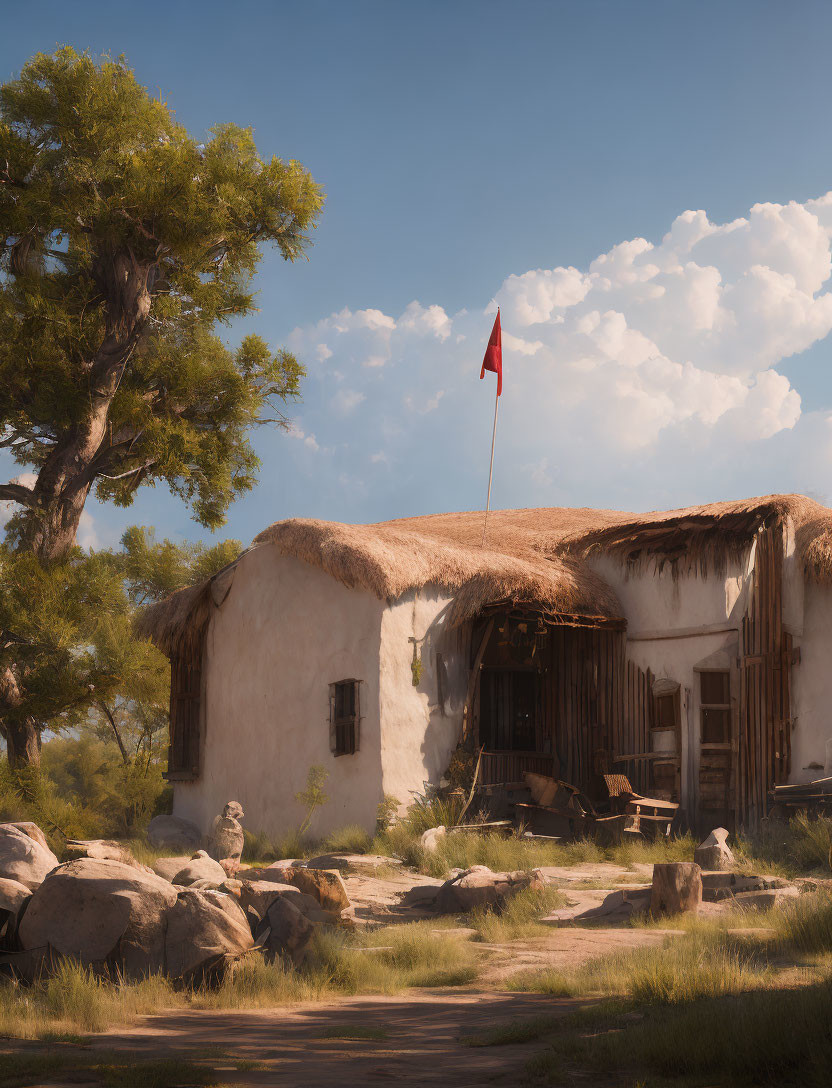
104 850
173 833
764 900
226 839
23 857
431 838
480 887
714 853
677 888
325 885
200 867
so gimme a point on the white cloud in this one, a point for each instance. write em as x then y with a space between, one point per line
308 440
652 363
346 401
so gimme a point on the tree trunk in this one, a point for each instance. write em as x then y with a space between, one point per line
52 512
23 743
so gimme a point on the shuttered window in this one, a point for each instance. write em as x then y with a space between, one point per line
715 701
185 712
344 717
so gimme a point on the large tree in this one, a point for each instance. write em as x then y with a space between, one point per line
124 242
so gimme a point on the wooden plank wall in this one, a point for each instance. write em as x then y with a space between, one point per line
583 698
636 723
764 740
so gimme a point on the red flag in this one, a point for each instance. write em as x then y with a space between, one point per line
493 360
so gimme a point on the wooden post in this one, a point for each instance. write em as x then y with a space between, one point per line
490 468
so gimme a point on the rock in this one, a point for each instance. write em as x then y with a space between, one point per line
226 839
200 867
718 886
765 900
431 838
325 885
23 857
714 852
169 867
677 888
619 906
103 850
285 931
231 866
480 887
174 833
32 830
101 912
13 896
421 895
206 931
258 895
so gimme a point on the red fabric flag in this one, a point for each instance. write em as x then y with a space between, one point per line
493 360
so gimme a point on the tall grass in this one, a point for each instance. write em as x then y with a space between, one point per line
800 845
518 917
767 1037
504 853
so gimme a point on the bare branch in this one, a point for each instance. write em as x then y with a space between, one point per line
18 493
130 472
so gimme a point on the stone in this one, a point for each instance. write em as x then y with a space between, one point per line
258 895
226 839
420 895
619 906
431 838
325 885
231 866
200 867
13 895
206 932
173 833
23 857
102 913
104 850
718 886
32 830
480 887
677 888
714 853
285 931
765 900
169 867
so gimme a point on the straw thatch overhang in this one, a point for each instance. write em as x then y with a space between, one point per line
536 557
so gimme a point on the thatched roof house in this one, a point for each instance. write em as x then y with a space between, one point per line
433 633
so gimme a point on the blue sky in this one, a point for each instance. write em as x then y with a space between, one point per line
475 152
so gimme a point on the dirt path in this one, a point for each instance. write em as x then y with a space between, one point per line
419 1040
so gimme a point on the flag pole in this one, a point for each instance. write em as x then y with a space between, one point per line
490 469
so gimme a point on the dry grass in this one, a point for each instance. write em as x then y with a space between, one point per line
518 918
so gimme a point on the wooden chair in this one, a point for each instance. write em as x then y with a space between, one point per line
632 812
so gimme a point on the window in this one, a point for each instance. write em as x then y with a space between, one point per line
185 706
344 717
715 701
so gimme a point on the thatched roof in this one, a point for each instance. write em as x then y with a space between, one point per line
536 556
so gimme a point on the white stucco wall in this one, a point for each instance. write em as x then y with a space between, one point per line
657 605
417 736
812 686
285 632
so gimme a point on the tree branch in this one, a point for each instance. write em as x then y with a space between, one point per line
130 472
103 706
18 493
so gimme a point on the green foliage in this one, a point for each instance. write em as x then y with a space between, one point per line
312 796
386 813
152 570
123 242
351 839
518 917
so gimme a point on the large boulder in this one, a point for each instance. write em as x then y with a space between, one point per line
285 931
480 887
102 913
714 853
23 857
13 896
200 867
325 885
169 867
205 932
677 888
258 896
173 833
103 850
32 830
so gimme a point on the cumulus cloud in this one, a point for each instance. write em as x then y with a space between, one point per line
655 354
